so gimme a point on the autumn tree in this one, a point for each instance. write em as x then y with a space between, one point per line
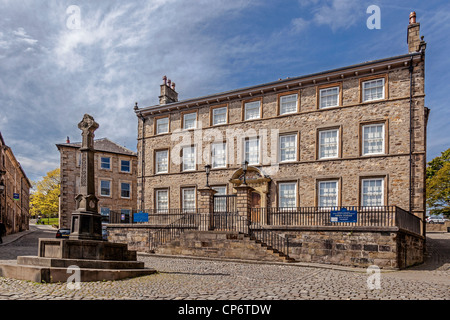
45 198
438 184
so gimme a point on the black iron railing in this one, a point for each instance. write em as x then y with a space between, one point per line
225 216
188 221
268 238
154 216
380 216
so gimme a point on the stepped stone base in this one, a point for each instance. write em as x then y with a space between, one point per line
60 258
85 249
220 244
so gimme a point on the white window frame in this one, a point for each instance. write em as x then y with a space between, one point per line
110 187
323 94
183 206
121 189
281 103
319 195
158 125
249 105
219 110
280 204
383 89
157 162
280 150
214 155
383 138
337 143
194 156
382 191
247 140
190 114
109 163
157 203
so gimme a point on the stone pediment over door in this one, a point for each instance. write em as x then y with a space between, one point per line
255 179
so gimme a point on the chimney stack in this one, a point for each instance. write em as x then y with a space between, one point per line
168 93
415 44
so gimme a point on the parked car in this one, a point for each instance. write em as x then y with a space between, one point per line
62 233
436 220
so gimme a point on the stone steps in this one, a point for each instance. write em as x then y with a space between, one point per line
222 244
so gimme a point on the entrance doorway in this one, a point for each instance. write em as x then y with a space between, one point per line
256 207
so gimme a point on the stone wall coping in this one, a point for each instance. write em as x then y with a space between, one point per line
331 228
291 228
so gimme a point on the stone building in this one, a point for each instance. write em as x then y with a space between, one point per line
353 136
15 198
327 167
115 178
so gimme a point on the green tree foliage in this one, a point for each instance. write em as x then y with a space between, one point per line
45 198
438 184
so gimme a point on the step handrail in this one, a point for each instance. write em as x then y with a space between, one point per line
189 221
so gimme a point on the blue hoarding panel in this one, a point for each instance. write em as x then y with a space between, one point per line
140 217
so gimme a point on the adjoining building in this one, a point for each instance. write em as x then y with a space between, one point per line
14 192
348 139
115 179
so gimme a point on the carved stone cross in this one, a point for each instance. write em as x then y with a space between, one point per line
86 200
87 127
86 221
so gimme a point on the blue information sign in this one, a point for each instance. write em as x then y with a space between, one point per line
140 217
16 196
344 215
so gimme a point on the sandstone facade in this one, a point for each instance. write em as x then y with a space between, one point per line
15 213
116 175
400 111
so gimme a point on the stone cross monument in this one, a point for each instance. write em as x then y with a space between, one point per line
86 221
98 260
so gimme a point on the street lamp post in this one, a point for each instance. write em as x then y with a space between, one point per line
244 168
208 170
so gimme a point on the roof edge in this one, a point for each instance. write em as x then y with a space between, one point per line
155 108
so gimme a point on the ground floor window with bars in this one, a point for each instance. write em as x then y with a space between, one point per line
220 203
188 199
372 192
287 195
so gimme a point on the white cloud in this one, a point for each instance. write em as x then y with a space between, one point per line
340 14
35 168
52 75
336 14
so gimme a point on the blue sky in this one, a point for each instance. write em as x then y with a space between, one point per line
52 74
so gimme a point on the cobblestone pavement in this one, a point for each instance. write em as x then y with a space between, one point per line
180 278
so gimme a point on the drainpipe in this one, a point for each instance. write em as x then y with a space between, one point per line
411 68
142 160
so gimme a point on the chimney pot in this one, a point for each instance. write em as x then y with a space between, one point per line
165 79
412 17
67 139
173 85
169 82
